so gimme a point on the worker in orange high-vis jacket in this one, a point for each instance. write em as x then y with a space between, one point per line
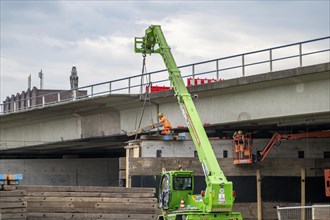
166 124
239 143
238 137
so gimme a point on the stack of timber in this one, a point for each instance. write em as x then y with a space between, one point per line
87 202
13 205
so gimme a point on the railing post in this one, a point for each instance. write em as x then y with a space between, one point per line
129 85
278 213
300 54
243 65
43 100
29 102
92 91
149 88
110 87
15 106
58 97
217 66
271 60
193 71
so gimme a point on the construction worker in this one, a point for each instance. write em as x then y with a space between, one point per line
239 143
166 124
238 137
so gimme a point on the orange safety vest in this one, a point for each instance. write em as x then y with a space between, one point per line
238 137
165 123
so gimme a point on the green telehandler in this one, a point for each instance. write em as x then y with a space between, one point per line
176 198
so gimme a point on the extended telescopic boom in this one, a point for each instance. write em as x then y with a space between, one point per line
154 42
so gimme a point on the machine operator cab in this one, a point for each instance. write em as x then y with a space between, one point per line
174 186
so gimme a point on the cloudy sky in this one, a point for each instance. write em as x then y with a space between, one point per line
97 36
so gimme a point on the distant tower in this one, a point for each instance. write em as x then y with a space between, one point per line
41 76
74 81
29 82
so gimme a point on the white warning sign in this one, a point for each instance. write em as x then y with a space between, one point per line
222 198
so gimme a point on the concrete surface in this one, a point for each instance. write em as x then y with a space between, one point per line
312 147
65 172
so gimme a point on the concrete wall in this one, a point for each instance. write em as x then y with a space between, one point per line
58 126
312 147
277 102
69 172
27 132
100 123
260 103
130 118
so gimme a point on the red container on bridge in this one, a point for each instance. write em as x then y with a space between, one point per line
157 88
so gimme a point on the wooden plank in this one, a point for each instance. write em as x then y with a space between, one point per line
102 189
13 216
90 194
59 216
12 204
12 193
90 202
9 187
92 199
108 209
12 199
94 205
13 210
10 218
17 216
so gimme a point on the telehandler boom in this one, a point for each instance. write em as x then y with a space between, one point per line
176 187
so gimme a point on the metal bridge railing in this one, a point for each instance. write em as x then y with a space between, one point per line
267 60
314 212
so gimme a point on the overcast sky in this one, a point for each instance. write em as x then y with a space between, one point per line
97 36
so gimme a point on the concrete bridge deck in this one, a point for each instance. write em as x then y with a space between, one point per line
290 99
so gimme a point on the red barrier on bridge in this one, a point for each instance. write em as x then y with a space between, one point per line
157 88
198 81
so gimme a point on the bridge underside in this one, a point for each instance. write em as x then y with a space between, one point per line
113 146
288 101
